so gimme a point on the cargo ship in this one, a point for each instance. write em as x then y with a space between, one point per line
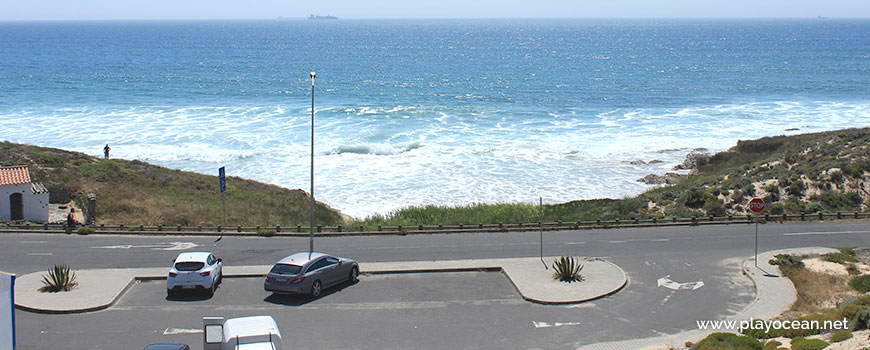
321 17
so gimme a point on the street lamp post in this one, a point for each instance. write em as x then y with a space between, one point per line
311 229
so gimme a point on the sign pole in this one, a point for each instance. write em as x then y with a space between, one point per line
222 176
311 228
541 224
756 205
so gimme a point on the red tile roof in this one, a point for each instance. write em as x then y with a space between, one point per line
14 175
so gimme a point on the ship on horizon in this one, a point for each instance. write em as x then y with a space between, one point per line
313 16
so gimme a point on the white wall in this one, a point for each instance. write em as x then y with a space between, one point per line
35 206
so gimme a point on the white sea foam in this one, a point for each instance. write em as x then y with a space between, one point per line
374 159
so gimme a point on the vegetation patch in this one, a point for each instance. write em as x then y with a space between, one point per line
861 283
840 335
567 269
726 341
59 279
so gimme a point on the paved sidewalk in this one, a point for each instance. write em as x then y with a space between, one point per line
774 293
100 288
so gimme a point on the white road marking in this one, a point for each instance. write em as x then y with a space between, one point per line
33 242
574 243
618 242
40 254
667 283
174 331
660 240
554 324
161 246
665 300
823 233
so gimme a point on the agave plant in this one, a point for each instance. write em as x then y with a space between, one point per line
59 278
567 269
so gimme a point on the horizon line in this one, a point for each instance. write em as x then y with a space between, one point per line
279 18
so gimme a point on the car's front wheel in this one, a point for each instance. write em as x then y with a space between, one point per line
316 289
354 274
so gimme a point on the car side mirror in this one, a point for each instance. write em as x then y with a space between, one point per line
173 261
220 260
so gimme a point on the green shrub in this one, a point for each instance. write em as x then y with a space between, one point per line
722 341
266 232
840 335
839 258
850 311
861 320
853 270
84 230
59 278
854 171
566 269
786 260
861 283
848 251
836 176
842 201
796 188
693 198
808 344
773 345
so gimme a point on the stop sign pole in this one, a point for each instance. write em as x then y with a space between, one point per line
756 205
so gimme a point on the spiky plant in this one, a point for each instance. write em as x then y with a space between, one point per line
566 269
59 278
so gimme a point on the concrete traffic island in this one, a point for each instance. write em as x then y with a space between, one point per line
99 289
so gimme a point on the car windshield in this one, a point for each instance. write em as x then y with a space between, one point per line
189 266
284 269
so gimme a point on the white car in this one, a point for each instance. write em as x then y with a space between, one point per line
194 271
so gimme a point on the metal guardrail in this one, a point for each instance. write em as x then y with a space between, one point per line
300 230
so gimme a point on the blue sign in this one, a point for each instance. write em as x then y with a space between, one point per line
223 178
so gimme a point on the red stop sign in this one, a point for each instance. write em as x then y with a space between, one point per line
756 205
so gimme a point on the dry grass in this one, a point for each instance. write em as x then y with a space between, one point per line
817 292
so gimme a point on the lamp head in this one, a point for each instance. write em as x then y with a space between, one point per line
313 75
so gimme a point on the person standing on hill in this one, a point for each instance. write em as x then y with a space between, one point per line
106 150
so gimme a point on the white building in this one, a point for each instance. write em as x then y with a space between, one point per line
19 198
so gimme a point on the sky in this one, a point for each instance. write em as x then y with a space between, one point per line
23 10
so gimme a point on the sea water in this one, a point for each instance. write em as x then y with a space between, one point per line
415 112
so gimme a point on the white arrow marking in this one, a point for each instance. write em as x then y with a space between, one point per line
162 246
667 283
174 331
555 324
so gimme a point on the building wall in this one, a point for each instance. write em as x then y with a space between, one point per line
35 206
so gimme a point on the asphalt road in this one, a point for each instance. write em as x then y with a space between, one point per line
438 310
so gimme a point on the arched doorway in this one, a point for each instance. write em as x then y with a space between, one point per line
16 206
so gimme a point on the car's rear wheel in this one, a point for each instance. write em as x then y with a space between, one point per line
170 293
212 289
316 289
354 274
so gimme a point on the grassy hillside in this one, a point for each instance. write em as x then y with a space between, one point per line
808 173
133 192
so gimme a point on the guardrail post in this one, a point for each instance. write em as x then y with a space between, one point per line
298 228
27 226
121 227
821 216
694 220
675 218
178 228
420 228
278 229
461 226
839 215
730 217
399 228
362 228
766 217
803 216
500 225
784 217
238 228
159 227
102 227
655 221
636 221
856 214
258 228
45 227
440 226
339 228
598 222
559 223
219 228
319 228
379 227
712 218
199 228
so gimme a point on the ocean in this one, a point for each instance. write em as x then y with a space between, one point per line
415 112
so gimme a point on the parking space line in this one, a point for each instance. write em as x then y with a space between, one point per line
174 331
